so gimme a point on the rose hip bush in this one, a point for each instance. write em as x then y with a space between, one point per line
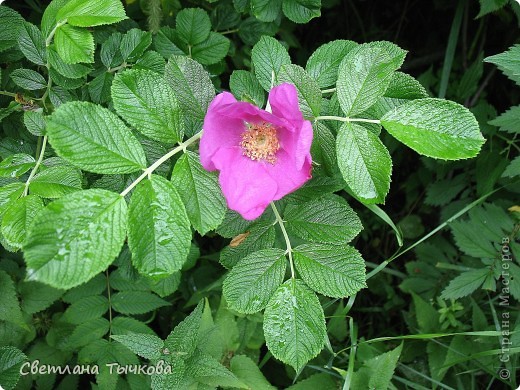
157 216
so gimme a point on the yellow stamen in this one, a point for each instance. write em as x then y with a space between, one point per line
260 142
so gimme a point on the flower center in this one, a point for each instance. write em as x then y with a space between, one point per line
260 142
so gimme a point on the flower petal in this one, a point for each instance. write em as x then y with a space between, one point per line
284 103
287 174
245 183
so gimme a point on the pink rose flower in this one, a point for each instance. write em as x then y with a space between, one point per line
261 156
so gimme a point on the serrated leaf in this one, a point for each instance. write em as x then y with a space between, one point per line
266 10
18 218
488 6
88 332
363 77
435 128
193 25
159 233
86 309
55 182
324 220
364 162
9 307
11 361
245 86
301 11
260 236
200 192
10 26
378 371
78 132
267 57
168 43
248 372
94 286
472 239
74 44
16 165
91 13
37 296
125 325
32 44
9 193
323 64
404 86
151 60
183 338
294 324
34 122
28 79
207 370
143 99
136 302
332 271
75 237
251 30
134 43
193 88
513 169
99 88
73 71
508 62
309 94
145 345
465 283
211 50
110 53
508 121
254 279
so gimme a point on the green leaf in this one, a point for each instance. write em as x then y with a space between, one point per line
488 6
508 121
11 361
248 372
466 283
145 101
245 86
34 122
11 24
91 13
323 64
9 193
88 332
207 370
251 30
404 86
266 10
363 77
151 60
28 79
74 44
326 220
377 372
32 44
472 239
18 218
261 235
252 282
267 57
168 43
183 338
364 162
301 11
294 324
16 165
193 88
9 307
72 71
309 94
126 325
159 233
435 128
54 182
332 271
508 62
134 43
78 132
86 309
200 192
100 87
75 238
145 345
193 25
513 169
427 316
37 296
136 302
211 50
111 51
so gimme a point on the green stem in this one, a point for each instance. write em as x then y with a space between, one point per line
109 306
148 171
8 93
229 31
280 222
328 91
122 66
347 119
51 35
36 166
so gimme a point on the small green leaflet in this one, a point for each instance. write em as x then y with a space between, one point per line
10 27
16 165
246 87
91 13
309 94
18 217
200 192
145 345
266 10
11 361
183 338
364 162
159 234
71 71
34 122
86 309
74 44
252 282
294 324
32 44
336 272
10 310
301 11
508 121
325 220
193 25
211 50
435 128
145 101
78 131
248 372
75 237
134 43
136 302
268 56
28 79
377 372
508 62
56 181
